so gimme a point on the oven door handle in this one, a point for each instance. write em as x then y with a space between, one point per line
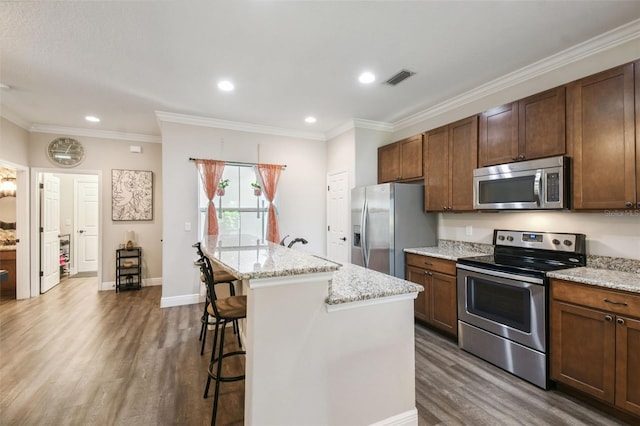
500 274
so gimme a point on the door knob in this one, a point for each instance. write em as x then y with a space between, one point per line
81 231
343 238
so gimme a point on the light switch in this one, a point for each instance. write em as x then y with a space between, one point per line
187 226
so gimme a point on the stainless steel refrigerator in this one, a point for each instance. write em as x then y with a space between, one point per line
386 219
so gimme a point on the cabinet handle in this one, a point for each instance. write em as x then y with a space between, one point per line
608 318
428 263
620 321
514 158
613 302
628 204
521 157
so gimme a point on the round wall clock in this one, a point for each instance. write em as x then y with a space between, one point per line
65 152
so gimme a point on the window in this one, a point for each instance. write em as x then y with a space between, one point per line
240 211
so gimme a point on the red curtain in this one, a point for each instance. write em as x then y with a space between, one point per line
270 174
210 172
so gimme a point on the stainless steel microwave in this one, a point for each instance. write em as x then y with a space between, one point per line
526 185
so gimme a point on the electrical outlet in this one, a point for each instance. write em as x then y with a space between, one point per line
187 226
468 230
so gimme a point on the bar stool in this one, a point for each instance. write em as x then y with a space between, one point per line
220 277
225 310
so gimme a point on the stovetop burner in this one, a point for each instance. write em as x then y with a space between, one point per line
532 253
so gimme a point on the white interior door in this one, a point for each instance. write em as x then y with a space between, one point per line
50 259
338 217
87 225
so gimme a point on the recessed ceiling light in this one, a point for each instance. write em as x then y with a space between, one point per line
310 120
366 77
226 85
92 119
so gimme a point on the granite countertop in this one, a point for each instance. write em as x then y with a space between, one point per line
352 283
249 258
453 250
447 253
617 280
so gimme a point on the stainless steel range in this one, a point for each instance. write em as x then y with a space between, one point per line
503 299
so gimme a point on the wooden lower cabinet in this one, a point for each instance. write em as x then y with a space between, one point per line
595 343
628 364
437 304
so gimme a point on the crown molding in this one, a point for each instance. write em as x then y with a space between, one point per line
600 43
171 117
14 118
359 123
92 133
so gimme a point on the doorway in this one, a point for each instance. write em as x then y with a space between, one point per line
69 215
8 233
338 216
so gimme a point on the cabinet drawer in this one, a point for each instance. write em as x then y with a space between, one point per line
596 297
431 263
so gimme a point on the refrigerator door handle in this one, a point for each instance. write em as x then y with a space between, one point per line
365 248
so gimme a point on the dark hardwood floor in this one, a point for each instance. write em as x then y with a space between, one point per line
76 356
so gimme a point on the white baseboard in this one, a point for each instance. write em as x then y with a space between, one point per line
408 418
146 282
187 299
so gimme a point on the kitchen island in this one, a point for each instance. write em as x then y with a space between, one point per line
327 344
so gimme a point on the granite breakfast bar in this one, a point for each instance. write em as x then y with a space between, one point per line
327 344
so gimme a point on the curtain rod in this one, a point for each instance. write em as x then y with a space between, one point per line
238 163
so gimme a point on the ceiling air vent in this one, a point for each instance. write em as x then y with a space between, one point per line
398 77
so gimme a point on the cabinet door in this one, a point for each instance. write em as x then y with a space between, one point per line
541 125
600 129
636 66
389 163
437 174
463 158
411 158
628 364
583 349
443 312
499 135
419 276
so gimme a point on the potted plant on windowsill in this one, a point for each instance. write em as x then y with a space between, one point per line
257 189
221 187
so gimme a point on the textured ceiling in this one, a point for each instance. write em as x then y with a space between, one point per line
122 61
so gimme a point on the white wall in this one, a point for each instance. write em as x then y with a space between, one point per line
301 193
14 143
101 156
367 143
611 233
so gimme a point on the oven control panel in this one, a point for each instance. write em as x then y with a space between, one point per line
573 243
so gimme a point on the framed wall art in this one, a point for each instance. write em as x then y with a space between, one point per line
131 195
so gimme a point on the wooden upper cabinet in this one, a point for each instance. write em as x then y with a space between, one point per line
527 129
389 163
541 125
498 141
400 161
600 131
451 154
463 158
436 184
411 158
